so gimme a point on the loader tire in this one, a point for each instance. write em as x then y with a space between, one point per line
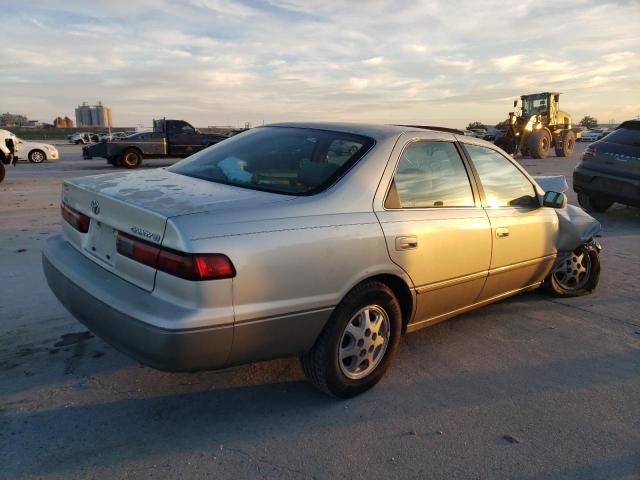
565 149
506 144
539 144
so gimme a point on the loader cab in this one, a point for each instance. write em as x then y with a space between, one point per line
544 104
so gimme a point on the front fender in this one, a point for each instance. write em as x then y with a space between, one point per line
575 228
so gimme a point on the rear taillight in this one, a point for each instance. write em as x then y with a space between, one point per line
201 266
138 250
77 220
589 153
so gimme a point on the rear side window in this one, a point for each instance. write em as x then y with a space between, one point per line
503 183
430 174
624 136
294 161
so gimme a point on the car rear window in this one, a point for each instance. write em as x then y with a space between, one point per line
624 136
287 160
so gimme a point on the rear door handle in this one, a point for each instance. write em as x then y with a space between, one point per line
406 243
502 232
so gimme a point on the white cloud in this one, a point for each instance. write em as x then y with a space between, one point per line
373 61
213 61
509 62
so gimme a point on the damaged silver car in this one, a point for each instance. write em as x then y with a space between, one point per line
325 241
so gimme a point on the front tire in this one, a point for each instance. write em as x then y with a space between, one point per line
576 275
506 144
37 156
356 346
131 158
2 172
539 144
592 203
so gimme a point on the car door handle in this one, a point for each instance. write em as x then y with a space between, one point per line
406 243
502 232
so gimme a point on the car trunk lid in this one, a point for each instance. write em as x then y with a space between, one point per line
139 205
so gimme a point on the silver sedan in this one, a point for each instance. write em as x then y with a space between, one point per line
327 241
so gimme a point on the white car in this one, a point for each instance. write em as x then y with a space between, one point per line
113 136
593 135
36 152
83 138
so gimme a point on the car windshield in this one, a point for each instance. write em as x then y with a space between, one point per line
534 104
287 160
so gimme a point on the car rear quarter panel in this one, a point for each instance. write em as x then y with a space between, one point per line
290 279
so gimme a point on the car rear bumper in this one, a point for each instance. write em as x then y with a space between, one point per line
105 304
593 182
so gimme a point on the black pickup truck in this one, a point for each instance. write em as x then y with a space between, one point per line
169 138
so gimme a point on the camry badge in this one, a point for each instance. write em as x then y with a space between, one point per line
95 207
146 234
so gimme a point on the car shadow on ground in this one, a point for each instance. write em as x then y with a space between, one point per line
154 425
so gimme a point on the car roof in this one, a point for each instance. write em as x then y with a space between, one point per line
375 131
632 124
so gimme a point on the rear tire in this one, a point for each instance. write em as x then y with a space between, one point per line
2 172
577 275
593 203
131 158
358 342
539 144
37 156
567 146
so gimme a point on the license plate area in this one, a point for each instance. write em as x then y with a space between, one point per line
101 242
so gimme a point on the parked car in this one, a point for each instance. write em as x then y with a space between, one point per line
493 134
9 148
610 170
169 138
263 246
37 152
593 135
84 138
113 136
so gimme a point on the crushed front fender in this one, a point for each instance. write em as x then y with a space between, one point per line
576 227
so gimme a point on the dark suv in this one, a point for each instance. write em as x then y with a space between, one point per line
610 170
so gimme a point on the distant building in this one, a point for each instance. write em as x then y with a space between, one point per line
65 122
93 115
13 120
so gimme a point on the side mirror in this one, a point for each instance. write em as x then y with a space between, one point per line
556 98
515 103
198 132
554 200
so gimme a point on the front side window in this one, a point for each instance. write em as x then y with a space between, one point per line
534 104
295 161
430 174
503 183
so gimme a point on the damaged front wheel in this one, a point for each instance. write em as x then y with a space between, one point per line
576 274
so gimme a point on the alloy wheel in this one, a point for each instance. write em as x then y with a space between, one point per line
573 273
364 342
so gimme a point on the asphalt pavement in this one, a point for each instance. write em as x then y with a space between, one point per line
529 388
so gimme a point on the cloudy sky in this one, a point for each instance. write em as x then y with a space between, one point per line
215 62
